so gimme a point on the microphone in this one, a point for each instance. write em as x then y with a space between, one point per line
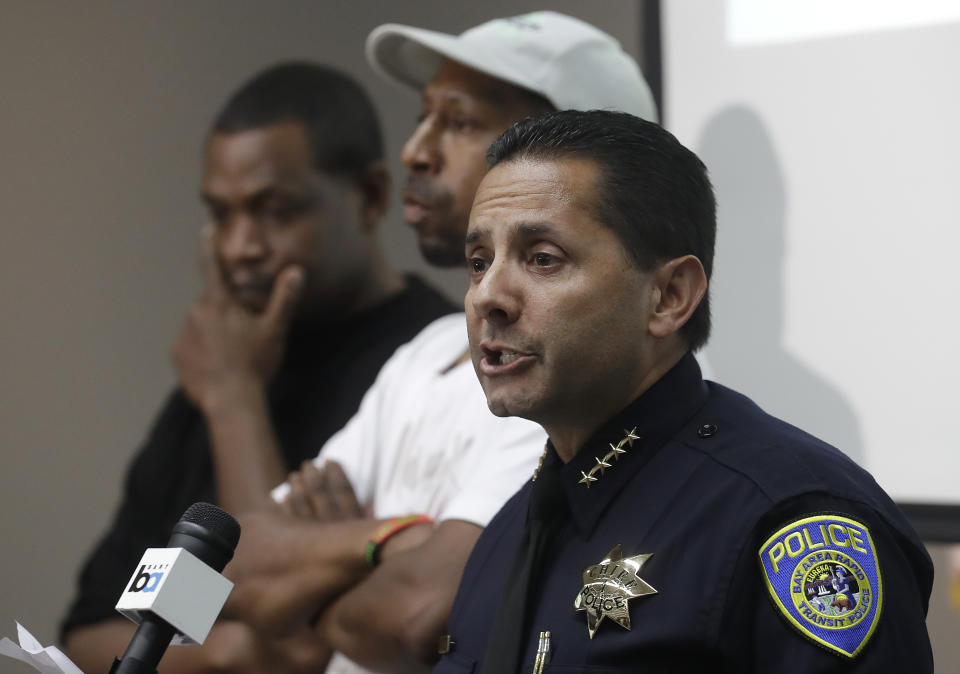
177 592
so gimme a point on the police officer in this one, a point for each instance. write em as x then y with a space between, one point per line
672 526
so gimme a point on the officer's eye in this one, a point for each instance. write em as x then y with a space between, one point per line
476 265
543 259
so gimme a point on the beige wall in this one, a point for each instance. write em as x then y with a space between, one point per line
103 107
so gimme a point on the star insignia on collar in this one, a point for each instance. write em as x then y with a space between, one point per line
609 585
614 454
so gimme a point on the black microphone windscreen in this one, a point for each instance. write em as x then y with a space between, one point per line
216 520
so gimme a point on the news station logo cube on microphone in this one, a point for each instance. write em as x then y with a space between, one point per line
172 584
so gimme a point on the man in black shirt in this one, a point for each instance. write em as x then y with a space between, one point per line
299 313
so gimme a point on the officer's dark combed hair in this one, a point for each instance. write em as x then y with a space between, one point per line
334 111
652 191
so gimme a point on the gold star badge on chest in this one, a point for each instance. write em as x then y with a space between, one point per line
608 586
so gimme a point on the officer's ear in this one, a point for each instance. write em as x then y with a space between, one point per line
678 287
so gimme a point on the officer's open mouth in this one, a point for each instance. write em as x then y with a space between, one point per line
501 356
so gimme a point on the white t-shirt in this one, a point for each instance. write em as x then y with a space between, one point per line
424 441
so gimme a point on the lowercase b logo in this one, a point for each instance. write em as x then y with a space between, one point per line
145 582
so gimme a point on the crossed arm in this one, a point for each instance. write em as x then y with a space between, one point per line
393 620
303 590
386 619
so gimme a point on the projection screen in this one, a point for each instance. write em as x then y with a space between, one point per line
832 133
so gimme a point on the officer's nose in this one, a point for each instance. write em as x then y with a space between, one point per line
497 296
421 152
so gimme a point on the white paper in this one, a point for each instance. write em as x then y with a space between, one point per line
48 660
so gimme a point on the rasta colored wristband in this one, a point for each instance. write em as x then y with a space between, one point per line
385 531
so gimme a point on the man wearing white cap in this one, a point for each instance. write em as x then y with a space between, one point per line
477 84
474 86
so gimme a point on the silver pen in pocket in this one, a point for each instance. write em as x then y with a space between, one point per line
543 653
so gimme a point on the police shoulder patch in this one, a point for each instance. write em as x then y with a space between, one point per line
822 573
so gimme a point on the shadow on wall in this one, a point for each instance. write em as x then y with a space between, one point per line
746 349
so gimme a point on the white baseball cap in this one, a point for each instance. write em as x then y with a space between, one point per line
571 63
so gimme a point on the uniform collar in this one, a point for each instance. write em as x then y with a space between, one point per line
655 417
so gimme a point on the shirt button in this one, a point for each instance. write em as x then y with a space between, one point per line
707 430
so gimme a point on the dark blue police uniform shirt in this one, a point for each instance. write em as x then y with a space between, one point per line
709 482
